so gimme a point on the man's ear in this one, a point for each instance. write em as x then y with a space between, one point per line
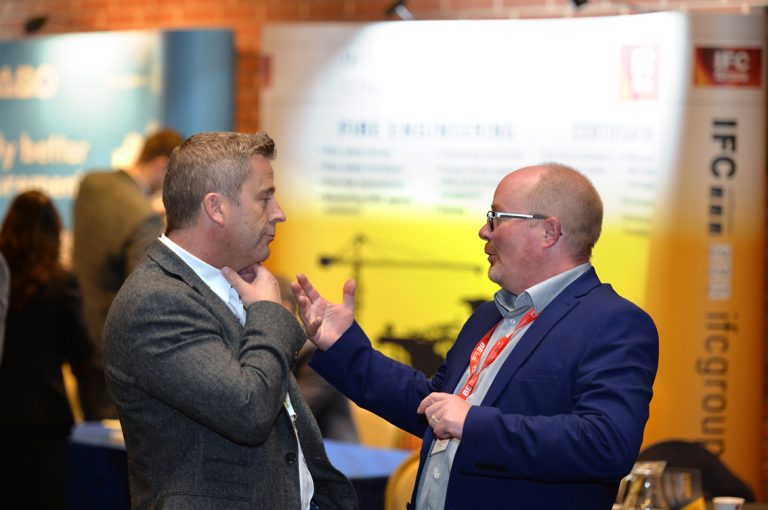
159 167
160 164
215 208
154 172
552 230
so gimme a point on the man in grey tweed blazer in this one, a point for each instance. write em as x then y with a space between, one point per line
199 351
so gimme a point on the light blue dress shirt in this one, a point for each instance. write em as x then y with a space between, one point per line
433 482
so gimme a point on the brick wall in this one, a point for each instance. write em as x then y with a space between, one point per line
247 17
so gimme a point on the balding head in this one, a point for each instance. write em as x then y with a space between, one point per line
547 219
567 194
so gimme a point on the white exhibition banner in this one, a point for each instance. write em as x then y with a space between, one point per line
392 137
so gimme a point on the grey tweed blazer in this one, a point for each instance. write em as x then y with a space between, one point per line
200 397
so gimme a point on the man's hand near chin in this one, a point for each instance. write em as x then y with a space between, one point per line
253 283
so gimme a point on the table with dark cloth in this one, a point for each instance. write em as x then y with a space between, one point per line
98 470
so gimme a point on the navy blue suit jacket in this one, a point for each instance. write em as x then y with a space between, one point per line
563 420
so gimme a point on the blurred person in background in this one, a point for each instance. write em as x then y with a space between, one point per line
114 224
329 406
44 329
5 289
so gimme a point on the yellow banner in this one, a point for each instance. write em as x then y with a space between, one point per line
386 171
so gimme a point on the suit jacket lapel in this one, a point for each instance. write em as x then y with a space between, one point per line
486 317
538 330
171 263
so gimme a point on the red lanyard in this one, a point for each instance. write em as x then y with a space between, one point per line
499 346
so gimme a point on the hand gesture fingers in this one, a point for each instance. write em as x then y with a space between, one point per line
323 321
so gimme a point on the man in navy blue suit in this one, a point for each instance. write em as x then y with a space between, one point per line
542 401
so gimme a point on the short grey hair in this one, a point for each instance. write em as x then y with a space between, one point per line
210 162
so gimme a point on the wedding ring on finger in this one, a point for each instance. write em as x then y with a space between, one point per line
435 419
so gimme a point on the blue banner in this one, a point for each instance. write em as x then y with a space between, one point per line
74 103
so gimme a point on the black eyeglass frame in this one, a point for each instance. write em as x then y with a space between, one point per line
491 216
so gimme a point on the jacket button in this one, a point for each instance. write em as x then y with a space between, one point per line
290 458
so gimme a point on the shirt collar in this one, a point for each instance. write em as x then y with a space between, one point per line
539 295
210 275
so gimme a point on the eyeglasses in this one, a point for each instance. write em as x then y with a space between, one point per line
492 216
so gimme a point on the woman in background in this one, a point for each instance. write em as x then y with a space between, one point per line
44 328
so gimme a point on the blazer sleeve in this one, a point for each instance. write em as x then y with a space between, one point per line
375 382
139 239
170 344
